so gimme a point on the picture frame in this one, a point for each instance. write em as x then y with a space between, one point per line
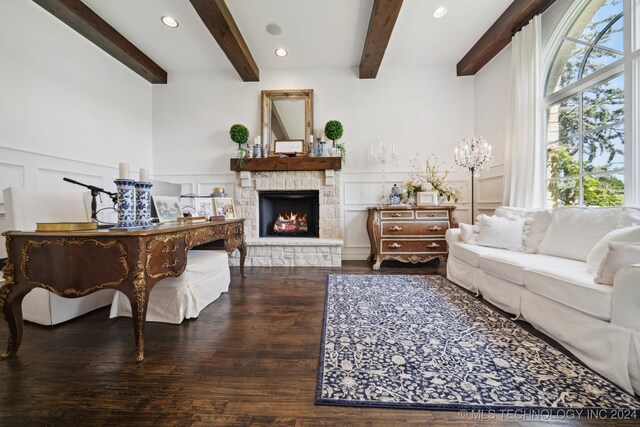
289 146
224 206
204 207
427 198
167 208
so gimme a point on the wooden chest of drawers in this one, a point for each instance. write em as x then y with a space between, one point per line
409 233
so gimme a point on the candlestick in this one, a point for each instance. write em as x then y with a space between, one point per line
124 171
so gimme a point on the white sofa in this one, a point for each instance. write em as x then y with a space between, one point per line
552 289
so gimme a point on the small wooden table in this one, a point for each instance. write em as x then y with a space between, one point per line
409 233
77 263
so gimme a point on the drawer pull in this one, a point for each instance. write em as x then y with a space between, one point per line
434 228
397 215
395 245
433 245
432 214
395 228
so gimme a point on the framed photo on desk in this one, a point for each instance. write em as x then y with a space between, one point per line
167 208
225 206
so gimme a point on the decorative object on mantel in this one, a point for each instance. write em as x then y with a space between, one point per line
474 154
286 115
334 131
240 135
435 176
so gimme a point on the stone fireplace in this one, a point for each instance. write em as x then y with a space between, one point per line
321 248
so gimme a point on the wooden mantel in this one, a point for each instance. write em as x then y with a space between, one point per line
288 164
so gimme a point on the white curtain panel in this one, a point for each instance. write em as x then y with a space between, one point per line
524 157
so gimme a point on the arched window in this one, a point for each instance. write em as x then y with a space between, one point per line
584 102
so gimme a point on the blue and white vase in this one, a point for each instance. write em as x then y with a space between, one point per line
143 204
126 203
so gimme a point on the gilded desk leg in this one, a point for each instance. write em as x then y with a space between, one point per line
242 248
139 309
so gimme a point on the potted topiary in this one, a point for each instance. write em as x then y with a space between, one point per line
240 135
334 130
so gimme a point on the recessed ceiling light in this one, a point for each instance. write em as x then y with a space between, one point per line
281 52
440 12
169 21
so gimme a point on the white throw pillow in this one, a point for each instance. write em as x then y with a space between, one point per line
500 232
629 217
618 255
536 222
574 231
469 233
594 259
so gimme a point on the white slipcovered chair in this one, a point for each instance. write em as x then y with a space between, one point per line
174 299
24 208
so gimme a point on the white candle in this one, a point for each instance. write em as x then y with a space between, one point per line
310 139
393 148
380 148
124 171
144 175
258 139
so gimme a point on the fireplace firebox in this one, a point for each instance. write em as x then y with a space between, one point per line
289 213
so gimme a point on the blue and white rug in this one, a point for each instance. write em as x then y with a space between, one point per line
421 342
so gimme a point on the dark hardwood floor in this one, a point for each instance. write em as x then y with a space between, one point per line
251 358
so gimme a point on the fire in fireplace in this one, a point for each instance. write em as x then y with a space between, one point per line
291 223
289 214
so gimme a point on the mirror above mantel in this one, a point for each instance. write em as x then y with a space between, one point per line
287 120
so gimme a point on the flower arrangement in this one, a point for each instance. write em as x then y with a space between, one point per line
334 130
410 190
435 175
239 134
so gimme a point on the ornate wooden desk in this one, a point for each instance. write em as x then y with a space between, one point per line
77 263
409 233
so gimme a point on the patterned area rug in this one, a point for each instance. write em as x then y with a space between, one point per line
421 342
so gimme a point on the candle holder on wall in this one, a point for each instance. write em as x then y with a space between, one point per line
383 155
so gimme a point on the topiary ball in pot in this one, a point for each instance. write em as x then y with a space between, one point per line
333 130
239 134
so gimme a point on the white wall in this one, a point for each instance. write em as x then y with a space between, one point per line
491 110
66 107
424 110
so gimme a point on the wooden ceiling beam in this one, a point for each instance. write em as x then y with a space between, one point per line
383 19
498 36
85 21
217 18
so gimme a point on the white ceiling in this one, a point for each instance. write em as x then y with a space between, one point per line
316 33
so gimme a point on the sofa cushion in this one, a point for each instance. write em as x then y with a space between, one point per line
469 233
627 234
470 253
618 255
571 287
512 265
536 222
574 231
501 232
629 216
